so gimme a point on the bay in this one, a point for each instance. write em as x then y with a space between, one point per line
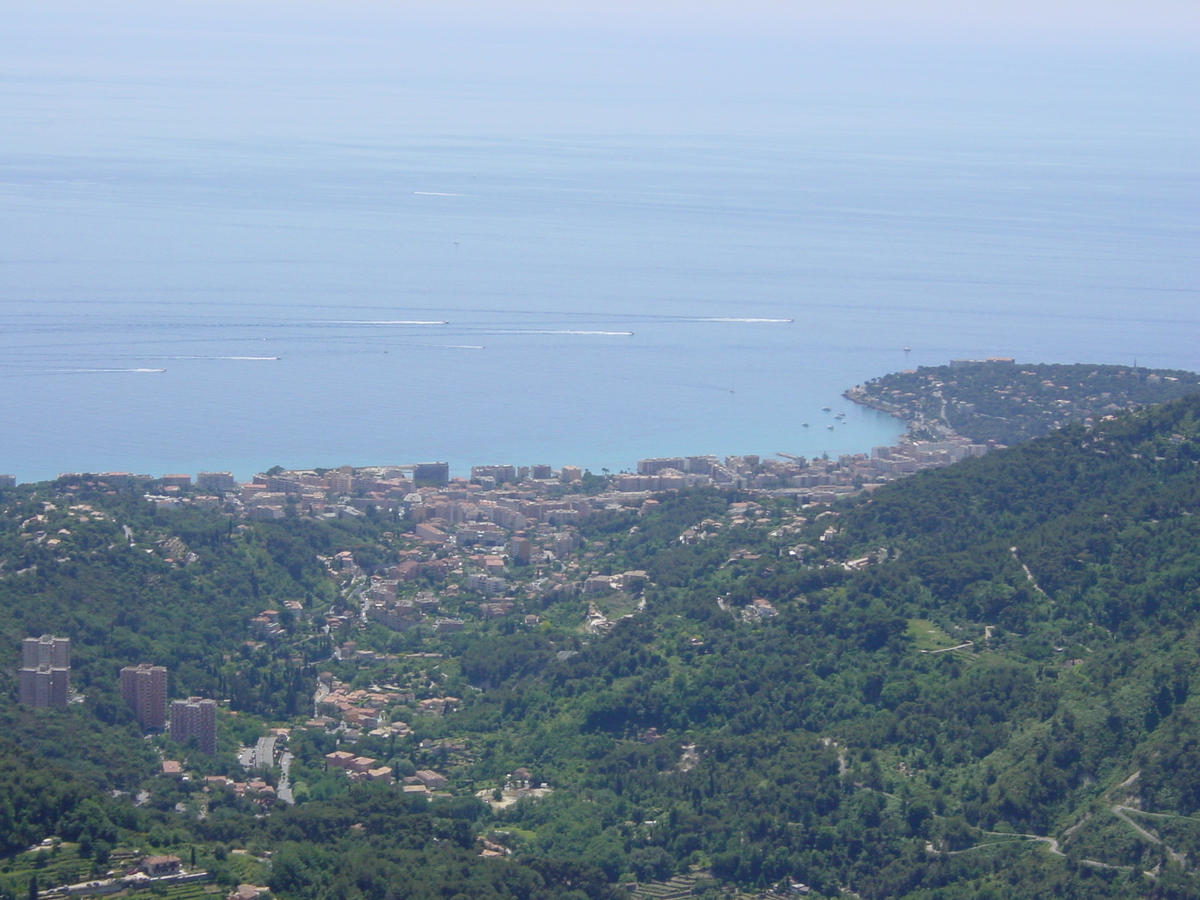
245 240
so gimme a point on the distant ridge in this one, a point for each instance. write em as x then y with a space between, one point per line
997 400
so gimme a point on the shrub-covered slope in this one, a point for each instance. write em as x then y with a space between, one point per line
831 742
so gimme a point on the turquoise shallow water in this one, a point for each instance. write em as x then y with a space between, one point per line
226 248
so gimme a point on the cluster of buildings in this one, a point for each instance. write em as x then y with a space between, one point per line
372 711
144 688
44 681
490 584
905 459
359 709
255 786
399 491
267 624
827 480
675 472
364 768
500 499
493 475
359 768
517 515
334 493
523 515
381 604
813 480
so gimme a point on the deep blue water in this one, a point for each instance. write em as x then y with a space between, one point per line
582 222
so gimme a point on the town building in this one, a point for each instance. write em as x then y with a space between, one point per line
158 866
282 484
340 482
430 533
501 474
398 615
991 360
195 717
654 466
45 676
144 688
521 549
216 481
46 650
44 687
432 474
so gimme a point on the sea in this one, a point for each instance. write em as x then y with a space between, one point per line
234 236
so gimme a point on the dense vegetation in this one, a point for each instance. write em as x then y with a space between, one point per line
977 682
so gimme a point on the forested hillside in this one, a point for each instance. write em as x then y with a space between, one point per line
980 681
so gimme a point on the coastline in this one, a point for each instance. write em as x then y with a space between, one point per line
857 395
914 429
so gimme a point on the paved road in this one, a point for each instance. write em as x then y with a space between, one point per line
261 754
284 789
320 694
264 751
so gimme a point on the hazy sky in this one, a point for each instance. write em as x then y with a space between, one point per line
695 67
1177 20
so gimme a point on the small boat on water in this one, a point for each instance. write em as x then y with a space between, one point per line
803 424
830 427
825 409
